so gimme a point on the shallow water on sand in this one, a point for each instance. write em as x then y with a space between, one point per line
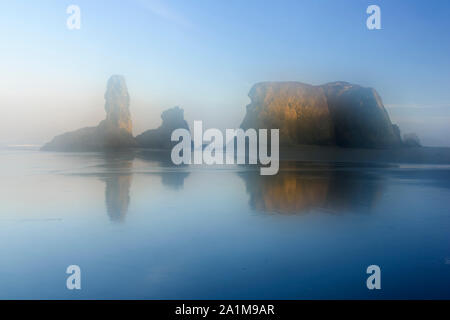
141 228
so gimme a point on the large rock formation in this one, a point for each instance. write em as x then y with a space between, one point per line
336 113
160 138
115 132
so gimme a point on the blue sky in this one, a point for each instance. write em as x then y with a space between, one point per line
205 55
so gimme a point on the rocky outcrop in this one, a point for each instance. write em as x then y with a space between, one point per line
336 113
115 132
160 138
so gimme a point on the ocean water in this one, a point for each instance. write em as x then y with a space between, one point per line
141 228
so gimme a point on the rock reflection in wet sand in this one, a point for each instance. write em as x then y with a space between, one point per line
301 188
118 178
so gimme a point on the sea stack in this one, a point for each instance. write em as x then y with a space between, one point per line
117 104
115 132
337 113
160 138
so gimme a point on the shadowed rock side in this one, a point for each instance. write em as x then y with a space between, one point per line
359 117
160 138
115 132
337 113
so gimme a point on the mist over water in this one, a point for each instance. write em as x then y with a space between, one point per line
140 227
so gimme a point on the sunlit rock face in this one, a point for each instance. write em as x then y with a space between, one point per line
115 132
117 104
337 113
299 110
160 138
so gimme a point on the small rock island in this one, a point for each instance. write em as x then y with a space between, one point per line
160 138
115 132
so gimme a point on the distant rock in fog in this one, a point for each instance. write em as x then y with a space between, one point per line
117 104
334 114
159 138
115 132
411 140
337 113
